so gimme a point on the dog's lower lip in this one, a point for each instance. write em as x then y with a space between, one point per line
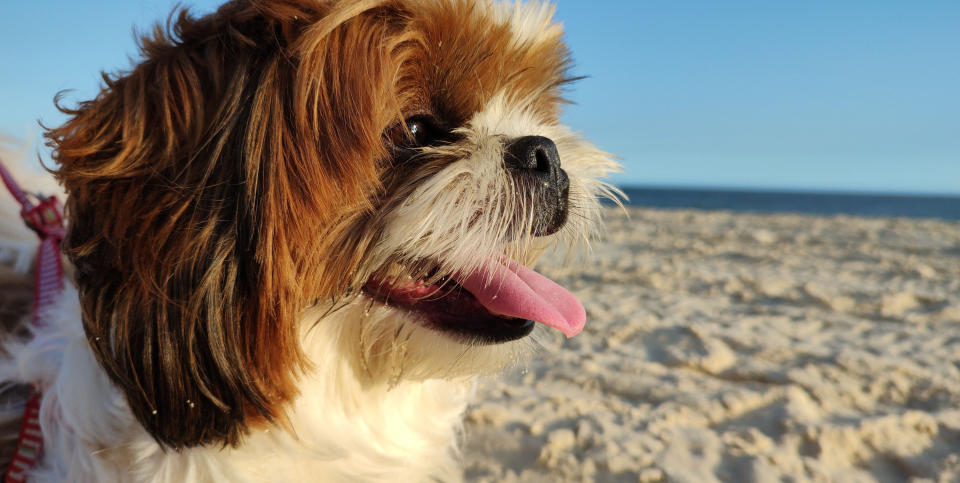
449 308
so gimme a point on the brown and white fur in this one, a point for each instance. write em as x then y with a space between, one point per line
229 199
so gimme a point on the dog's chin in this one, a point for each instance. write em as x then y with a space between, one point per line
390 334
389 345
448 308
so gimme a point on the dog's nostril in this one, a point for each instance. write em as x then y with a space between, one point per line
535 153
543 161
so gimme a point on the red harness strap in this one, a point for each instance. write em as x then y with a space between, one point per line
46 220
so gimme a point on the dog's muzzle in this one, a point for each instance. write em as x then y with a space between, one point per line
535 164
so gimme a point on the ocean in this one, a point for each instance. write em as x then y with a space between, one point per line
808 202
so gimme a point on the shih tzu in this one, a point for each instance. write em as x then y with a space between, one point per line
297 229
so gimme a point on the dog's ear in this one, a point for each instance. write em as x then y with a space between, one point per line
200 186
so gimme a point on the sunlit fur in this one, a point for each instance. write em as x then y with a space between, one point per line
229 197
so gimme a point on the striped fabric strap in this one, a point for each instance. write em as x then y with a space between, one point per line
29 443
46 220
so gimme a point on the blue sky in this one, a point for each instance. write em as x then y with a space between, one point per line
851 95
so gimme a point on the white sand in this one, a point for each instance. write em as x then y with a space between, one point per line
741 348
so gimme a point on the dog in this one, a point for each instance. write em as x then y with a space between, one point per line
297 232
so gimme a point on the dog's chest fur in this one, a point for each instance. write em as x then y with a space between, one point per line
340 428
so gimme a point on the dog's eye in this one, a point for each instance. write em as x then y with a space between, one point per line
417 131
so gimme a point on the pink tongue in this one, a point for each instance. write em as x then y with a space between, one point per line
514 290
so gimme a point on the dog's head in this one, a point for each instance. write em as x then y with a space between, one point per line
401 159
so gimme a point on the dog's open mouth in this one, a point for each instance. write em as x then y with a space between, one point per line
498 303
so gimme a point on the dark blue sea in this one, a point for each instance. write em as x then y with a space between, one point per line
808 202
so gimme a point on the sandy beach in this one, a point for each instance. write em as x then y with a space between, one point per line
738 347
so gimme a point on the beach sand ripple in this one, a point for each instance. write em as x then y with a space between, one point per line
741 347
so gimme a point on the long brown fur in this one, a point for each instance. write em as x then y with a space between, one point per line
229 180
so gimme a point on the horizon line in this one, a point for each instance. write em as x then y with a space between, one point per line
788 190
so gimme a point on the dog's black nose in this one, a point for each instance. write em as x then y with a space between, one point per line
533 152
535 163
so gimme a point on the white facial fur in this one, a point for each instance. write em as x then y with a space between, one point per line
463 214
464 217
